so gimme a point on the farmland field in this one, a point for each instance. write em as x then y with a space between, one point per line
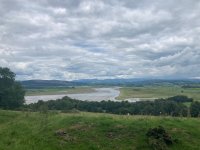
158 92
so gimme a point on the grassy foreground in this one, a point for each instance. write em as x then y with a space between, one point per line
90 131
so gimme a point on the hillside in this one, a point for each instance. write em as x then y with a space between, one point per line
47 83
90 131
188 83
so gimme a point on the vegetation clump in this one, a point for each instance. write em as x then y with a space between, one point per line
195 109
11 92
159 139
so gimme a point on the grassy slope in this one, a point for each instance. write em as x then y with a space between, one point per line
158 92
90 131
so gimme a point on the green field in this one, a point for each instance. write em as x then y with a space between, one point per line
90 131
158 92
59 90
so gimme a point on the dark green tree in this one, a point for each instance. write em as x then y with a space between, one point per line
11 92
195 109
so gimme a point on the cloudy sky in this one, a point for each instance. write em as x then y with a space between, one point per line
79 39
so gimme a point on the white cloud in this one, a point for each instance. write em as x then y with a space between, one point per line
100 39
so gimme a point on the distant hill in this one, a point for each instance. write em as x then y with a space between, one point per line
107 82
46 83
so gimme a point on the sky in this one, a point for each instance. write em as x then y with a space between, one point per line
103 39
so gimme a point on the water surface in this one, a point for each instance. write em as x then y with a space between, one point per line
99 95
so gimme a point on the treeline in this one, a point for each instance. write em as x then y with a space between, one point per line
172 106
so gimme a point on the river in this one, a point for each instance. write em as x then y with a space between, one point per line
99 95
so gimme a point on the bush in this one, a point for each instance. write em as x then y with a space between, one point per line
158 138
195 109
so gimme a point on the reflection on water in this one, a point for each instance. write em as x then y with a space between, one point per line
99 95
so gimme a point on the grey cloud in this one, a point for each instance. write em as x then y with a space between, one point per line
56 39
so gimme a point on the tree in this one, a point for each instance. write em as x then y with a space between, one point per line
195 109
180 99
11 92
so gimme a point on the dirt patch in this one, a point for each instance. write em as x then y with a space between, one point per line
62 134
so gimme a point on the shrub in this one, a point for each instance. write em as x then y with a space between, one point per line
158 138
195 109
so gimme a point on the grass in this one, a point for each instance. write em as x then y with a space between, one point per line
158 92
90 131
57 90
